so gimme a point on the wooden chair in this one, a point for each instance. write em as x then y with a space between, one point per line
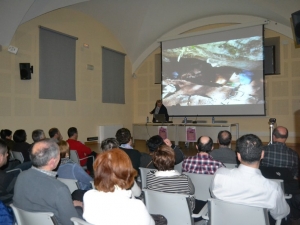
27 218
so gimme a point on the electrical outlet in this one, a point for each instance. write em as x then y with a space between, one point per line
12 49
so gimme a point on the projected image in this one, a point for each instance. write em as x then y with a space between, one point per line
218 73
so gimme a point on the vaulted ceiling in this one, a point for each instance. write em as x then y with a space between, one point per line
139 23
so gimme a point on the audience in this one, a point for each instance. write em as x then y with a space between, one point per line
124 138
202 163
82 150
6 135
6 215
246 185
21 145
166 179
278 154
111 143
224 154
55 134
7 180
70 170
38 190
111 202
153 143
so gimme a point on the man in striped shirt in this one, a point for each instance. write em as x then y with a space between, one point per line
202 163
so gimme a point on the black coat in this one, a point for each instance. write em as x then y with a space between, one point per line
162 110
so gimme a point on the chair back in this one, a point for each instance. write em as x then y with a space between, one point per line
18 155
174 207
230 165
77 221
201 183
143 173
74 156
71 183
222 212
178 167
25 218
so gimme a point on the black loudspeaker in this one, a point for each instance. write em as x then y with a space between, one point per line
296 26
25 71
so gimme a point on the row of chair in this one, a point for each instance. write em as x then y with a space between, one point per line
176 208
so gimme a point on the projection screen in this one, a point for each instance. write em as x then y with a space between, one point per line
216 74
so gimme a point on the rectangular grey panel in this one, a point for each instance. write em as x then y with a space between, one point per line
57 65
158 69
113 68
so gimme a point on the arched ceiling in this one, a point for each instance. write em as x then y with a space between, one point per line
139 23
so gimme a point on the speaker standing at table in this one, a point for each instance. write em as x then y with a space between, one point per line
159 109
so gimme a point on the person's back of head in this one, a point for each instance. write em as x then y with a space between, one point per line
224 138
164 158
123 136
72 131
38 135
113 168
280 134
154 142
250 148
205 144
43 152
109 143
4 134
64 149
52 132
19 136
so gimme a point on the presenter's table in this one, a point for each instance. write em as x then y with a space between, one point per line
177 132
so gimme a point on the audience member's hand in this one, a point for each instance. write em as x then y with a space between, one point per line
77 203
168 142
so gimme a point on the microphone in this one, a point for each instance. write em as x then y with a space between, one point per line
195 121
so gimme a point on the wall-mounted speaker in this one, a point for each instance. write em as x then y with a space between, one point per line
25 71
296 26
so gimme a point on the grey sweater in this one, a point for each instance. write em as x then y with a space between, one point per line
39 192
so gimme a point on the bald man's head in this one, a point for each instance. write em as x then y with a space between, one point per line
43 151
280 134
204 144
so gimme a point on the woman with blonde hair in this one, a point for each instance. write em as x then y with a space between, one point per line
111 202
71 170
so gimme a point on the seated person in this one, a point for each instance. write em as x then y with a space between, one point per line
124 138
82 150
224 154
38 190
202 162
7 180
21 145
110 143
70 170
111 202
153 143
246 185
165 178
6 135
